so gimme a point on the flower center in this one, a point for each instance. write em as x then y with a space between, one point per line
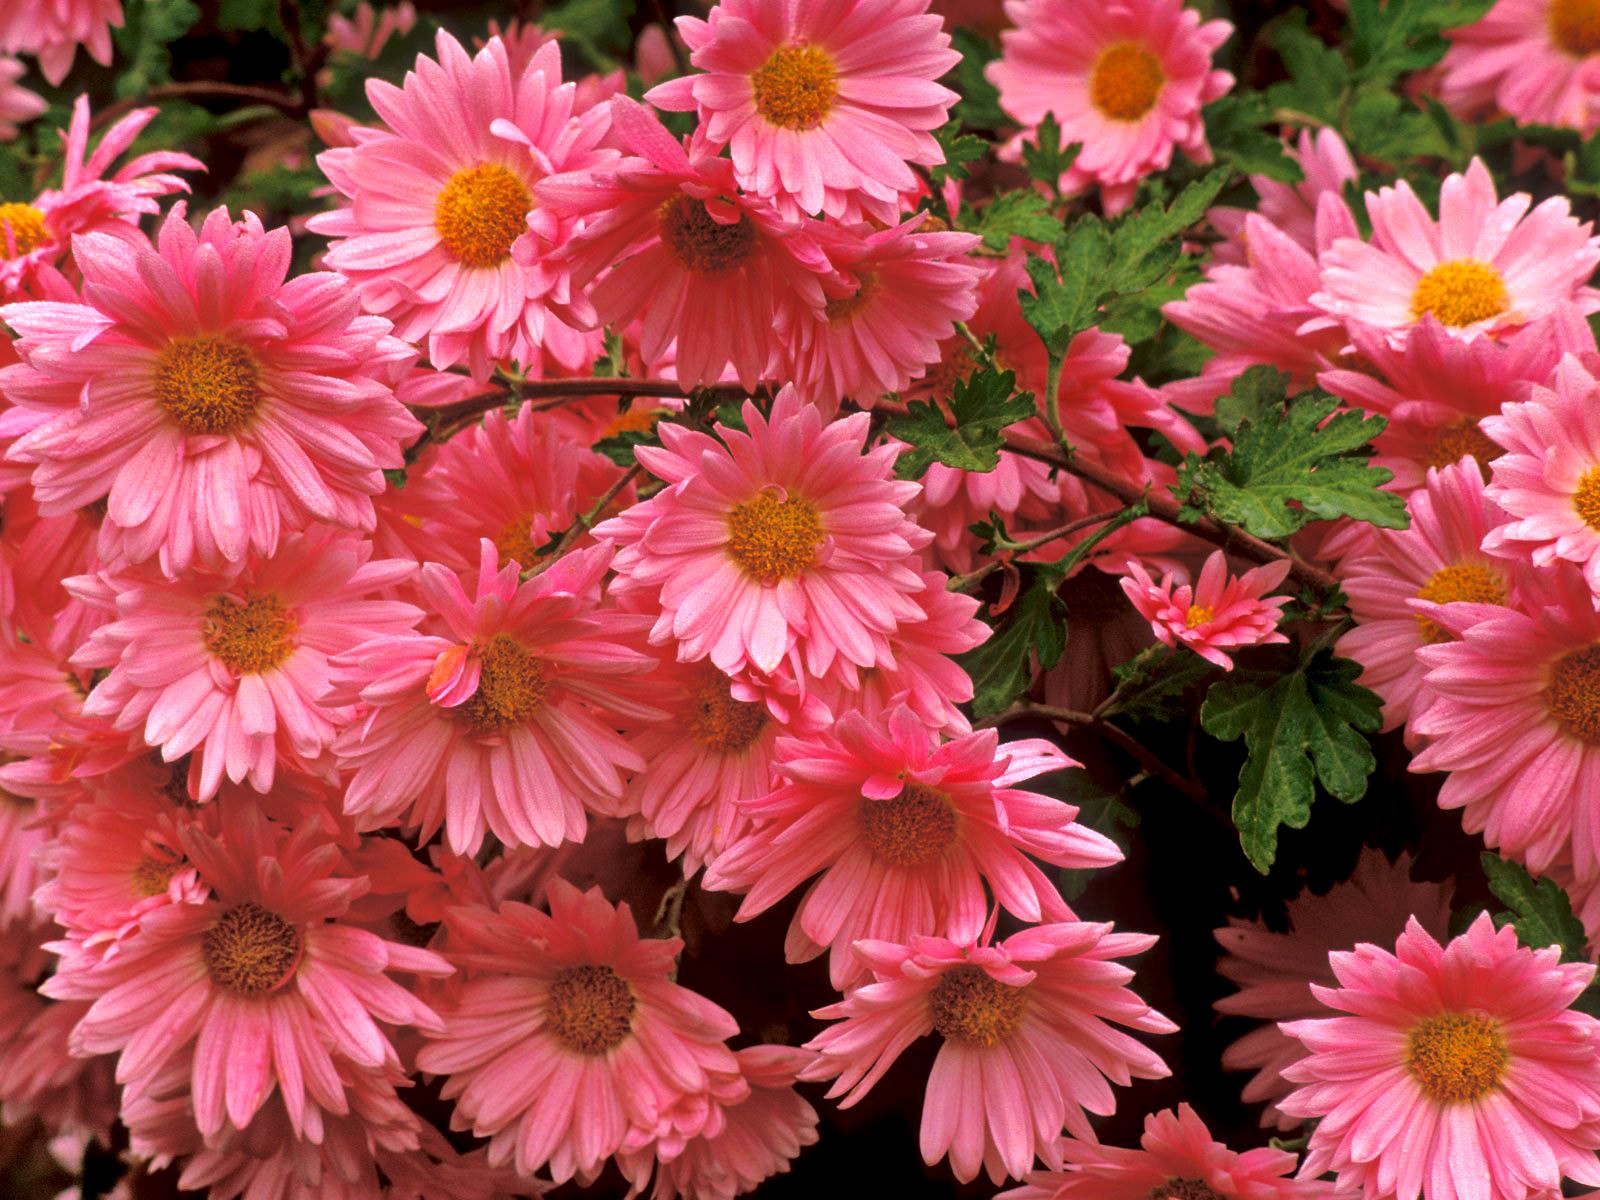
515 543
480 212
774 536
1460 292
1587 498
1126 81
248 636
1456 1057
1471 582
1573 694
151 876
910 829
207 384
701 243
22 227
511 686
1184 1189
251 950
1198 615
795 88
719 720
632 420
589 1009
846 307
1575 26
967 1005
1463 440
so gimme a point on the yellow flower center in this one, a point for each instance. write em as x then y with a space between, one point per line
1586 500
968 1005
1456 1057
1198 615
796 87
1463 440
632 420
1575 26
515 543
701 243
1573 694
511 687
151 876
1470 582
207 384
480 212
846 307
720 721
251 950
23 225
1460 292
589 1009
248 636
910 829
774 538
1126 81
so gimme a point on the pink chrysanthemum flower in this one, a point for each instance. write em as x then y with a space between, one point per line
903 832
442 196
210 401
1214 615
1028 1038
231 668
255 990
787 538
1437 560
1453 1071
823 108
366 33
568 1041
683 250
52 31
1274 971
1177 1157
1484 267
1290 208
484 720
1532 59
18 105
1127 78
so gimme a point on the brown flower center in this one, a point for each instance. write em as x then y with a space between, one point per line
701 243
21 226
967 1005
151 876
846 307
1463 440
720 721
1575 26
773 536
207 384
795 88
511 687
1126 81
1460 292
1184 1189
480 212
1456 1057
1470 582
248 636
910 829
590 1009
251 950
1573 694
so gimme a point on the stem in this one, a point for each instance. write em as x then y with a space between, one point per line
586 522
1114 734
960 583
201 89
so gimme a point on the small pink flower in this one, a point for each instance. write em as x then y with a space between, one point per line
1532 59
1215 615
18 105
1451 1071
1291 208
52 30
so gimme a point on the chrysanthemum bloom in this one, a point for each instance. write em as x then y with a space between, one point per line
899 294
52 31
1438 559
1290 208
684 251
18 105
1177 1158
439 199
1532 59
1028 1038
483 720
1510 708
568 1039
1458 1069
260 986
209 401
1214 615
366 33
1126 78
36 236
1484 267
787 538
902 832
232 667
823 108
1275 971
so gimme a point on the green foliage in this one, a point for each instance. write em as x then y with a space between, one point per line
1300 728
619 448
1237 130
149 27
1044 157
1256 395
982 405
1002 667
1012 214
1538 909
599 28
1152 684
979 106
960 149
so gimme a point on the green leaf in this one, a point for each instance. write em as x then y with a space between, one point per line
1299 729
1235 130
1318 74
1002 668
983 405
1045 159
959 150
1023 214
979 106
1539 910
1152 682
1256 395
599 27
619 448
149 28
1290 468
1064 305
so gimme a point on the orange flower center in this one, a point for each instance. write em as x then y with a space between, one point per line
846 307
511 687
632 420
795 88
1456 1057
151 876
910 829
773 538
248 636
21 225
207 384
589 1009
515 543
1587 498
967 1005
720 721
1126 81
480 212
251 950
1470 582
1575 26
1198 615
701 243
1573 694
1460 292
1464 440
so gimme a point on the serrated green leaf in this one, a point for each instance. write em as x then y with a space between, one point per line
1318 73
1023 214
1539 909
149 28
983 404
959 150
1067 294
1256 395
1237 134
979 106
619 448
1002 668
1043 155
1299 729
1150 684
